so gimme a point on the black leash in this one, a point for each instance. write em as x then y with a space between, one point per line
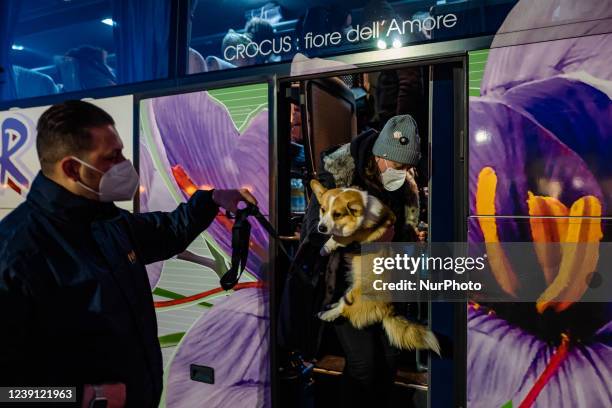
241 236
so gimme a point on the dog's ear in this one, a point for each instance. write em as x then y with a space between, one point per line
355 208
318 189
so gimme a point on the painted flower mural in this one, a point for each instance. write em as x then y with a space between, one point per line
215 139
540 170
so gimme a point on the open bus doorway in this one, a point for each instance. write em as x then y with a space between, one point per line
315 116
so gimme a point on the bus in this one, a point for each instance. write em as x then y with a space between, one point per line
512 103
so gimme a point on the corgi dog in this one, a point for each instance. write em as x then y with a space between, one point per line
350 215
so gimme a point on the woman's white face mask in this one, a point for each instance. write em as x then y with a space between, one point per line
393 179
119 183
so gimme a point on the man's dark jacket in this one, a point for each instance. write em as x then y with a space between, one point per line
75 301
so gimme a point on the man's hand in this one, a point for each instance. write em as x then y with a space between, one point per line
229 199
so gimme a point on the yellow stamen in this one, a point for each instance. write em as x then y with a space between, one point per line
485 205
580 256
547 230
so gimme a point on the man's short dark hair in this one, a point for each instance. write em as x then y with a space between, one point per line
259 29
63 130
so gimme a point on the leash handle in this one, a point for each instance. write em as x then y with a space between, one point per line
241 236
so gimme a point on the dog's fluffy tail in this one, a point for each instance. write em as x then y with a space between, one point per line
407 335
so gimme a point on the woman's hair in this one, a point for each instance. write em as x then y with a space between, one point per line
233 38
259 29
372 178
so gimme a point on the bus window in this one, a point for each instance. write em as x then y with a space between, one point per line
66 46
259 32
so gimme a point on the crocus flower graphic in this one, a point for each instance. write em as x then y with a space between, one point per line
201 140
540 146
198 146
518 167
233 339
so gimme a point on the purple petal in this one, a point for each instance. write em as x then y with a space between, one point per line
496 142
199 135
508 67
154 196
583 126
233 339
535 14
499 355
504 362
154 271
526 157
492 126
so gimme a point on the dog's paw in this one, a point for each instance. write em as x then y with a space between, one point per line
331 314
329 247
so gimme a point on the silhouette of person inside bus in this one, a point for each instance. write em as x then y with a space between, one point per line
258 30
92 68
298 160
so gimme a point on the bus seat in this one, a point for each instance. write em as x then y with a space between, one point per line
197 63
329 117
30 83
215 63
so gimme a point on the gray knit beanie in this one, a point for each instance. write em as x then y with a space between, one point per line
399 141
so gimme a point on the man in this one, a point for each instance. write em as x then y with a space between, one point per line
76 307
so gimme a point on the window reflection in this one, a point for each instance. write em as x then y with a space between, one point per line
259 32
54 46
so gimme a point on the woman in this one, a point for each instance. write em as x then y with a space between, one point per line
383 165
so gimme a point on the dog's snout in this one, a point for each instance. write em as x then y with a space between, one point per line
322 229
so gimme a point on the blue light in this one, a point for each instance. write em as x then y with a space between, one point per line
109 22
17 47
